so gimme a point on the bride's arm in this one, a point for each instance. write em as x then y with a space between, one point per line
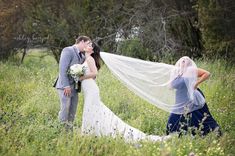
93 70
202 76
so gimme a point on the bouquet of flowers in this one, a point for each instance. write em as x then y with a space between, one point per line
76 71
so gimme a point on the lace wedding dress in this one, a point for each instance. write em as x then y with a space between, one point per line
99 120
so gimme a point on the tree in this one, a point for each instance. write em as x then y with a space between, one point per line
217 20
11 19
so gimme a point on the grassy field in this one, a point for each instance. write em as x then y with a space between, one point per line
29 106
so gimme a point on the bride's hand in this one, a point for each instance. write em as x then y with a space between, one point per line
81 78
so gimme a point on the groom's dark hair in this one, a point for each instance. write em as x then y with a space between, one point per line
82 38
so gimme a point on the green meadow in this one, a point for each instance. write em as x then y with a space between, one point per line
29 107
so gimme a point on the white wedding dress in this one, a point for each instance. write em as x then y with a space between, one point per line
99 120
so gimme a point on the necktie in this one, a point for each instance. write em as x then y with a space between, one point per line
80 54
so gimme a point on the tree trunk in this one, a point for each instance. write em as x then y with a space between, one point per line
23 56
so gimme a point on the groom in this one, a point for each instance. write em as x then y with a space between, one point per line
65 83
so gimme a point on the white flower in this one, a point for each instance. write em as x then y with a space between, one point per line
76 69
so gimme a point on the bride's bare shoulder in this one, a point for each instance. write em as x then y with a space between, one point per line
90 59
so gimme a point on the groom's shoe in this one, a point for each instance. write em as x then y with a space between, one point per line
68 126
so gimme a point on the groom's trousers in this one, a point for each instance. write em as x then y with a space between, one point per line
68 105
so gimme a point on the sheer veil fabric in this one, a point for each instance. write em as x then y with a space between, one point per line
152 80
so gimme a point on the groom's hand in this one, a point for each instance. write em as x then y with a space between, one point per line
67 91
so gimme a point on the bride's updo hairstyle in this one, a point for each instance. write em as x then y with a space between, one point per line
96 54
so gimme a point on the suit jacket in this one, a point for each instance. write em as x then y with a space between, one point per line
69 56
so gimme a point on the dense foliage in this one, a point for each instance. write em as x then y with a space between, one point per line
162 28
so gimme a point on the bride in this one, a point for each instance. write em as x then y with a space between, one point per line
97 119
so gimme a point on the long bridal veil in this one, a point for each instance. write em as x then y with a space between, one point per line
151 80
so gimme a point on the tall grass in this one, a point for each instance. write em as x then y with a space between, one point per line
29 106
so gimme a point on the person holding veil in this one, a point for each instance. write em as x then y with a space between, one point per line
97 119
190 110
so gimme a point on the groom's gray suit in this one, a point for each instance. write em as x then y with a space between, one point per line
68 104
